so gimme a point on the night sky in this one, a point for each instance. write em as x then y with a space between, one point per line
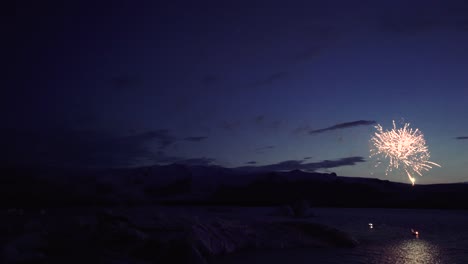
282 84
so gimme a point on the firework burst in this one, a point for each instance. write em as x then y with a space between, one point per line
405 149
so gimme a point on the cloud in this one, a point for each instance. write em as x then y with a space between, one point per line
161 136
196 161
195 139
302 129
272 78
344 125
251 162
259 119
162 158
265 124
88 148
461 138
306 158
263 149
300 165
230 126
317 36
76 148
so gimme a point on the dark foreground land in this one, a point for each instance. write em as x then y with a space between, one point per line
183 214
210 185
153 234
184 234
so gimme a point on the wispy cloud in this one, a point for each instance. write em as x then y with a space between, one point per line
164 138
161 136
197 161
462 138
259 119
311 166
86 148
318 37
344 125
272 78
230 126
195 139
265 124
78 148
251 162
263 149
302 129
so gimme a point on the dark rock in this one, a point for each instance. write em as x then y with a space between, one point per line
172 251
301 209
284 211
329 235
25 249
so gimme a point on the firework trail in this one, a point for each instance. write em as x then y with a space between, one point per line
404 147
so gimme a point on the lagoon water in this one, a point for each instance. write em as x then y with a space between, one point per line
443 238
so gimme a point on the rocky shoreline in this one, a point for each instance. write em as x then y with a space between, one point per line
112 236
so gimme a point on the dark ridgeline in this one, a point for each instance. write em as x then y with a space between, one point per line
275 188
212 185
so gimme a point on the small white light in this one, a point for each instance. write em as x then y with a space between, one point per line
371 225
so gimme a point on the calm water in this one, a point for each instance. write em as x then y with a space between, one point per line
443 238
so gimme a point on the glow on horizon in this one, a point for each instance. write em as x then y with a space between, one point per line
404 147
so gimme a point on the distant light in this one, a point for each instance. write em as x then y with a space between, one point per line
415 232
371 225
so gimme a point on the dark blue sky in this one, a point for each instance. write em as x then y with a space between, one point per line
235 83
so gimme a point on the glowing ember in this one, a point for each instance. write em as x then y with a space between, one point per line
404 147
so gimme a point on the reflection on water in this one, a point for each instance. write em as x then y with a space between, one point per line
412 251
385 239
